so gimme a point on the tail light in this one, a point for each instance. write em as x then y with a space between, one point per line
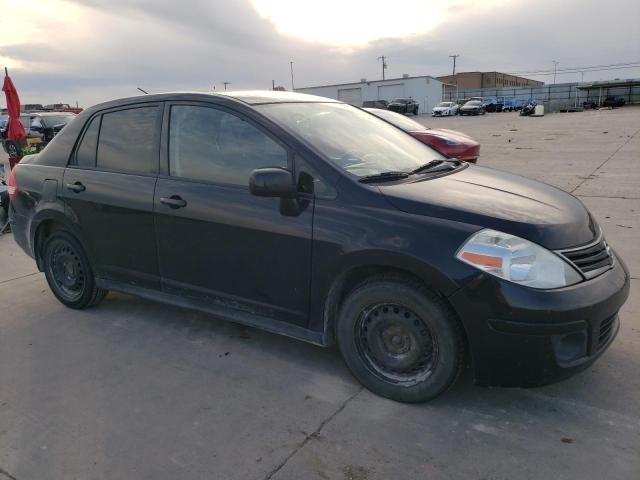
12 186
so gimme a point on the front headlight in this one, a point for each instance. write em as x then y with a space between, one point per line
517 260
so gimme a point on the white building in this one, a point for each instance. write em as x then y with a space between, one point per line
426 90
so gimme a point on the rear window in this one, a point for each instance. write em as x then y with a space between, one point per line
127 140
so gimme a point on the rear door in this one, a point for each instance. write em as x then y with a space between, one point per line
217 242
108 188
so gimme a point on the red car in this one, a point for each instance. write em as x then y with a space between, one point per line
449 143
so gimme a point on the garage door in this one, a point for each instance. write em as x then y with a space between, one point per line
350 95
391 92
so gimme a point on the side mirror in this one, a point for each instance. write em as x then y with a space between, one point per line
272 182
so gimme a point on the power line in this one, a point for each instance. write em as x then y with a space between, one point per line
579 69
583 70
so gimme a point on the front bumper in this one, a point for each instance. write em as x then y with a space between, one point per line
525 337
440 113
397 108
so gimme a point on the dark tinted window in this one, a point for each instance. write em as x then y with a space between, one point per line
215 146
86 155
127 140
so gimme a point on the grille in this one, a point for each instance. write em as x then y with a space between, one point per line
606 330
590 260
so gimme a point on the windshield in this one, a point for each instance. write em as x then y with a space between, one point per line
473 104
3 120
352 139
445 104
398 120
52 121
401 100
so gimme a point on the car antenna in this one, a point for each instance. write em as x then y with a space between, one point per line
143 91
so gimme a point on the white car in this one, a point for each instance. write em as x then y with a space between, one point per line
445 109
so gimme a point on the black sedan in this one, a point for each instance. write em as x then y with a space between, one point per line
404 105
474 107
316 220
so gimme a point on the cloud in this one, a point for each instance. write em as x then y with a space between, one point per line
94 50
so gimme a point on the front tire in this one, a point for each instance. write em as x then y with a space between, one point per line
69 273
400 340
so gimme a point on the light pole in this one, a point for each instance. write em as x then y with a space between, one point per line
555 67
292 84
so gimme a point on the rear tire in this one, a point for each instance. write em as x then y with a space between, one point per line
69 273
399 339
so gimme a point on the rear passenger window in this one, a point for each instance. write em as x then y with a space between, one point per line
86 155
127 140
215 146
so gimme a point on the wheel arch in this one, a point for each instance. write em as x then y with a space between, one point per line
44 224
398 266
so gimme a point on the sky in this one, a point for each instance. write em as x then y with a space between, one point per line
89 51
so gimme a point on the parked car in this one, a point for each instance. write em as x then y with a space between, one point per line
613 102
473 107
315 219
41 125
492 104
509 104
445 109
62 107
449 143
383 104
404 105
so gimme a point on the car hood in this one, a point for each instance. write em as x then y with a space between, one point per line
493 199
470 107
442 108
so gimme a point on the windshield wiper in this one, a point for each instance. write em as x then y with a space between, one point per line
436 166
427 166
384 176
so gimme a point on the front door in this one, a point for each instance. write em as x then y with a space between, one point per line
218 243
108 189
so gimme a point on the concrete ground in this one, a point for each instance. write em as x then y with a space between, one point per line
139 390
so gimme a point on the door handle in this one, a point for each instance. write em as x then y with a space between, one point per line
76 187
174 201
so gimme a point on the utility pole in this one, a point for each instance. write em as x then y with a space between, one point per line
384 64
454 62
273 84
555 68
292 85
225 84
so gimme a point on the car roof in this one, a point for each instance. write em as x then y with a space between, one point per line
249 97
45 114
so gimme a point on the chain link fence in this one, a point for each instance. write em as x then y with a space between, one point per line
555 98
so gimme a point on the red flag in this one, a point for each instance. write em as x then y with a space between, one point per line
16 131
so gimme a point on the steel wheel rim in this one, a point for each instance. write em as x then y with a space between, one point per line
396 343
67 271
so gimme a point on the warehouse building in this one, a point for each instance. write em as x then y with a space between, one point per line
477 80
425 90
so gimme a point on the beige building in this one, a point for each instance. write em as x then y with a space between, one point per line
477 80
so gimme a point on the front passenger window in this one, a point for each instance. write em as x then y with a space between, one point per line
212 145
